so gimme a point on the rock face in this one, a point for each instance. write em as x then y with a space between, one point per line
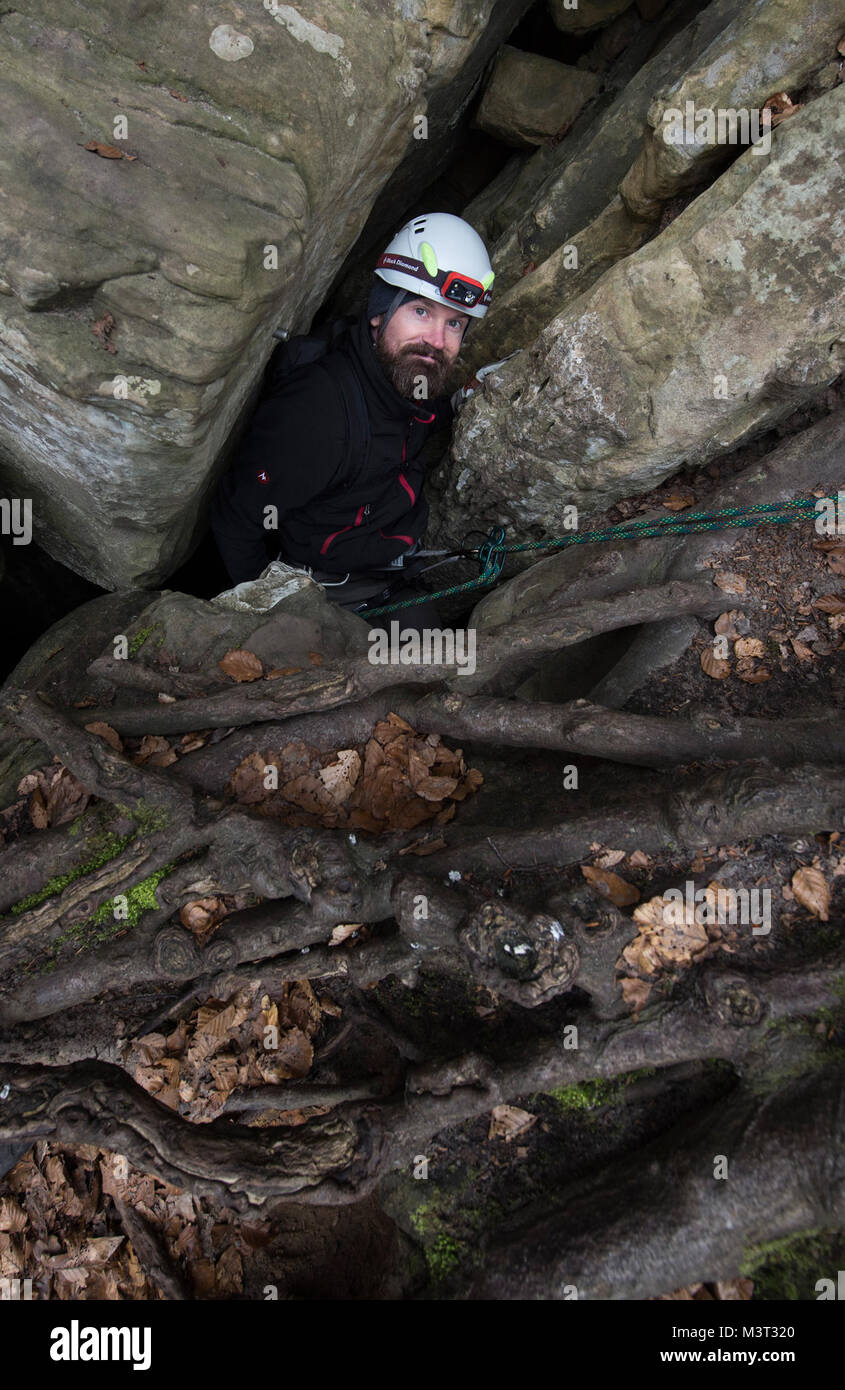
728 60
528 98
716 328
255 141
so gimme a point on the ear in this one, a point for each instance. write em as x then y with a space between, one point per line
375 322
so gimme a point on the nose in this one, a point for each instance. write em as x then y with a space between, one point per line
435 335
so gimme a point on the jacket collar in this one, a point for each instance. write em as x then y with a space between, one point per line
363 354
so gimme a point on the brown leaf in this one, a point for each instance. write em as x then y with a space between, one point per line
241 665
104 151
508 1121
678 501
111 736
611 886
278 671
812 891
315 658
713 665
202 914
830 603
749 646
38 810
751 674
730 583
150 745
295 1053
339 778
635 993
177 95
343 931
801 650
725 624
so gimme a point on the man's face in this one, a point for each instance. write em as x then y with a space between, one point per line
419 345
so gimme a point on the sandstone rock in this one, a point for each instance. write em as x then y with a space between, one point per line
775 47
528 98
708 334
521 312
579 16
262 140
561 188
761 47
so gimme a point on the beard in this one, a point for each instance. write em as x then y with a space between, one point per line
404 370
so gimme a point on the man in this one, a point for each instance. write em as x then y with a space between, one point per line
353 531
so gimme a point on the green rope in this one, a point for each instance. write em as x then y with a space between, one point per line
493 553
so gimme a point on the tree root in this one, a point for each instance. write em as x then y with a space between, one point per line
660 1220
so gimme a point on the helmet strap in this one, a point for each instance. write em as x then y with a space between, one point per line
394 305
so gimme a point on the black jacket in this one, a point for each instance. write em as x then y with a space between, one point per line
295 457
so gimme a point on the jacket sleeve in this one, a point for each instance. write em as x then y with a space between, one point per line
290 453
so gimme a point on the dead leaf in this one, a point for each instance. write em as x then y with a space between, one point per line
315 658
150 745
830 603
749 646
725 624
105 731
713 665
202 914
343 931
241 665
38 810
339 778
678 501
104 151
730 583
812 891
278 671
610 859
635 992
751 674
801 650
508 1121
781 105
611 886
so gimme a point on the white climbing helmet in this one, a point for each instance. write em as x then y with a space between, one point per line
443 258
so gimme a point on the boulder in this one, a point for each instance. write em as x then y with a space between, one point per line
708 334
177 182
528 98
696 124
561 188
762 50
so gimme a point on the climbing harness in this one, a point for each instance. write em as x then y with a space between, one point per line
492 553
